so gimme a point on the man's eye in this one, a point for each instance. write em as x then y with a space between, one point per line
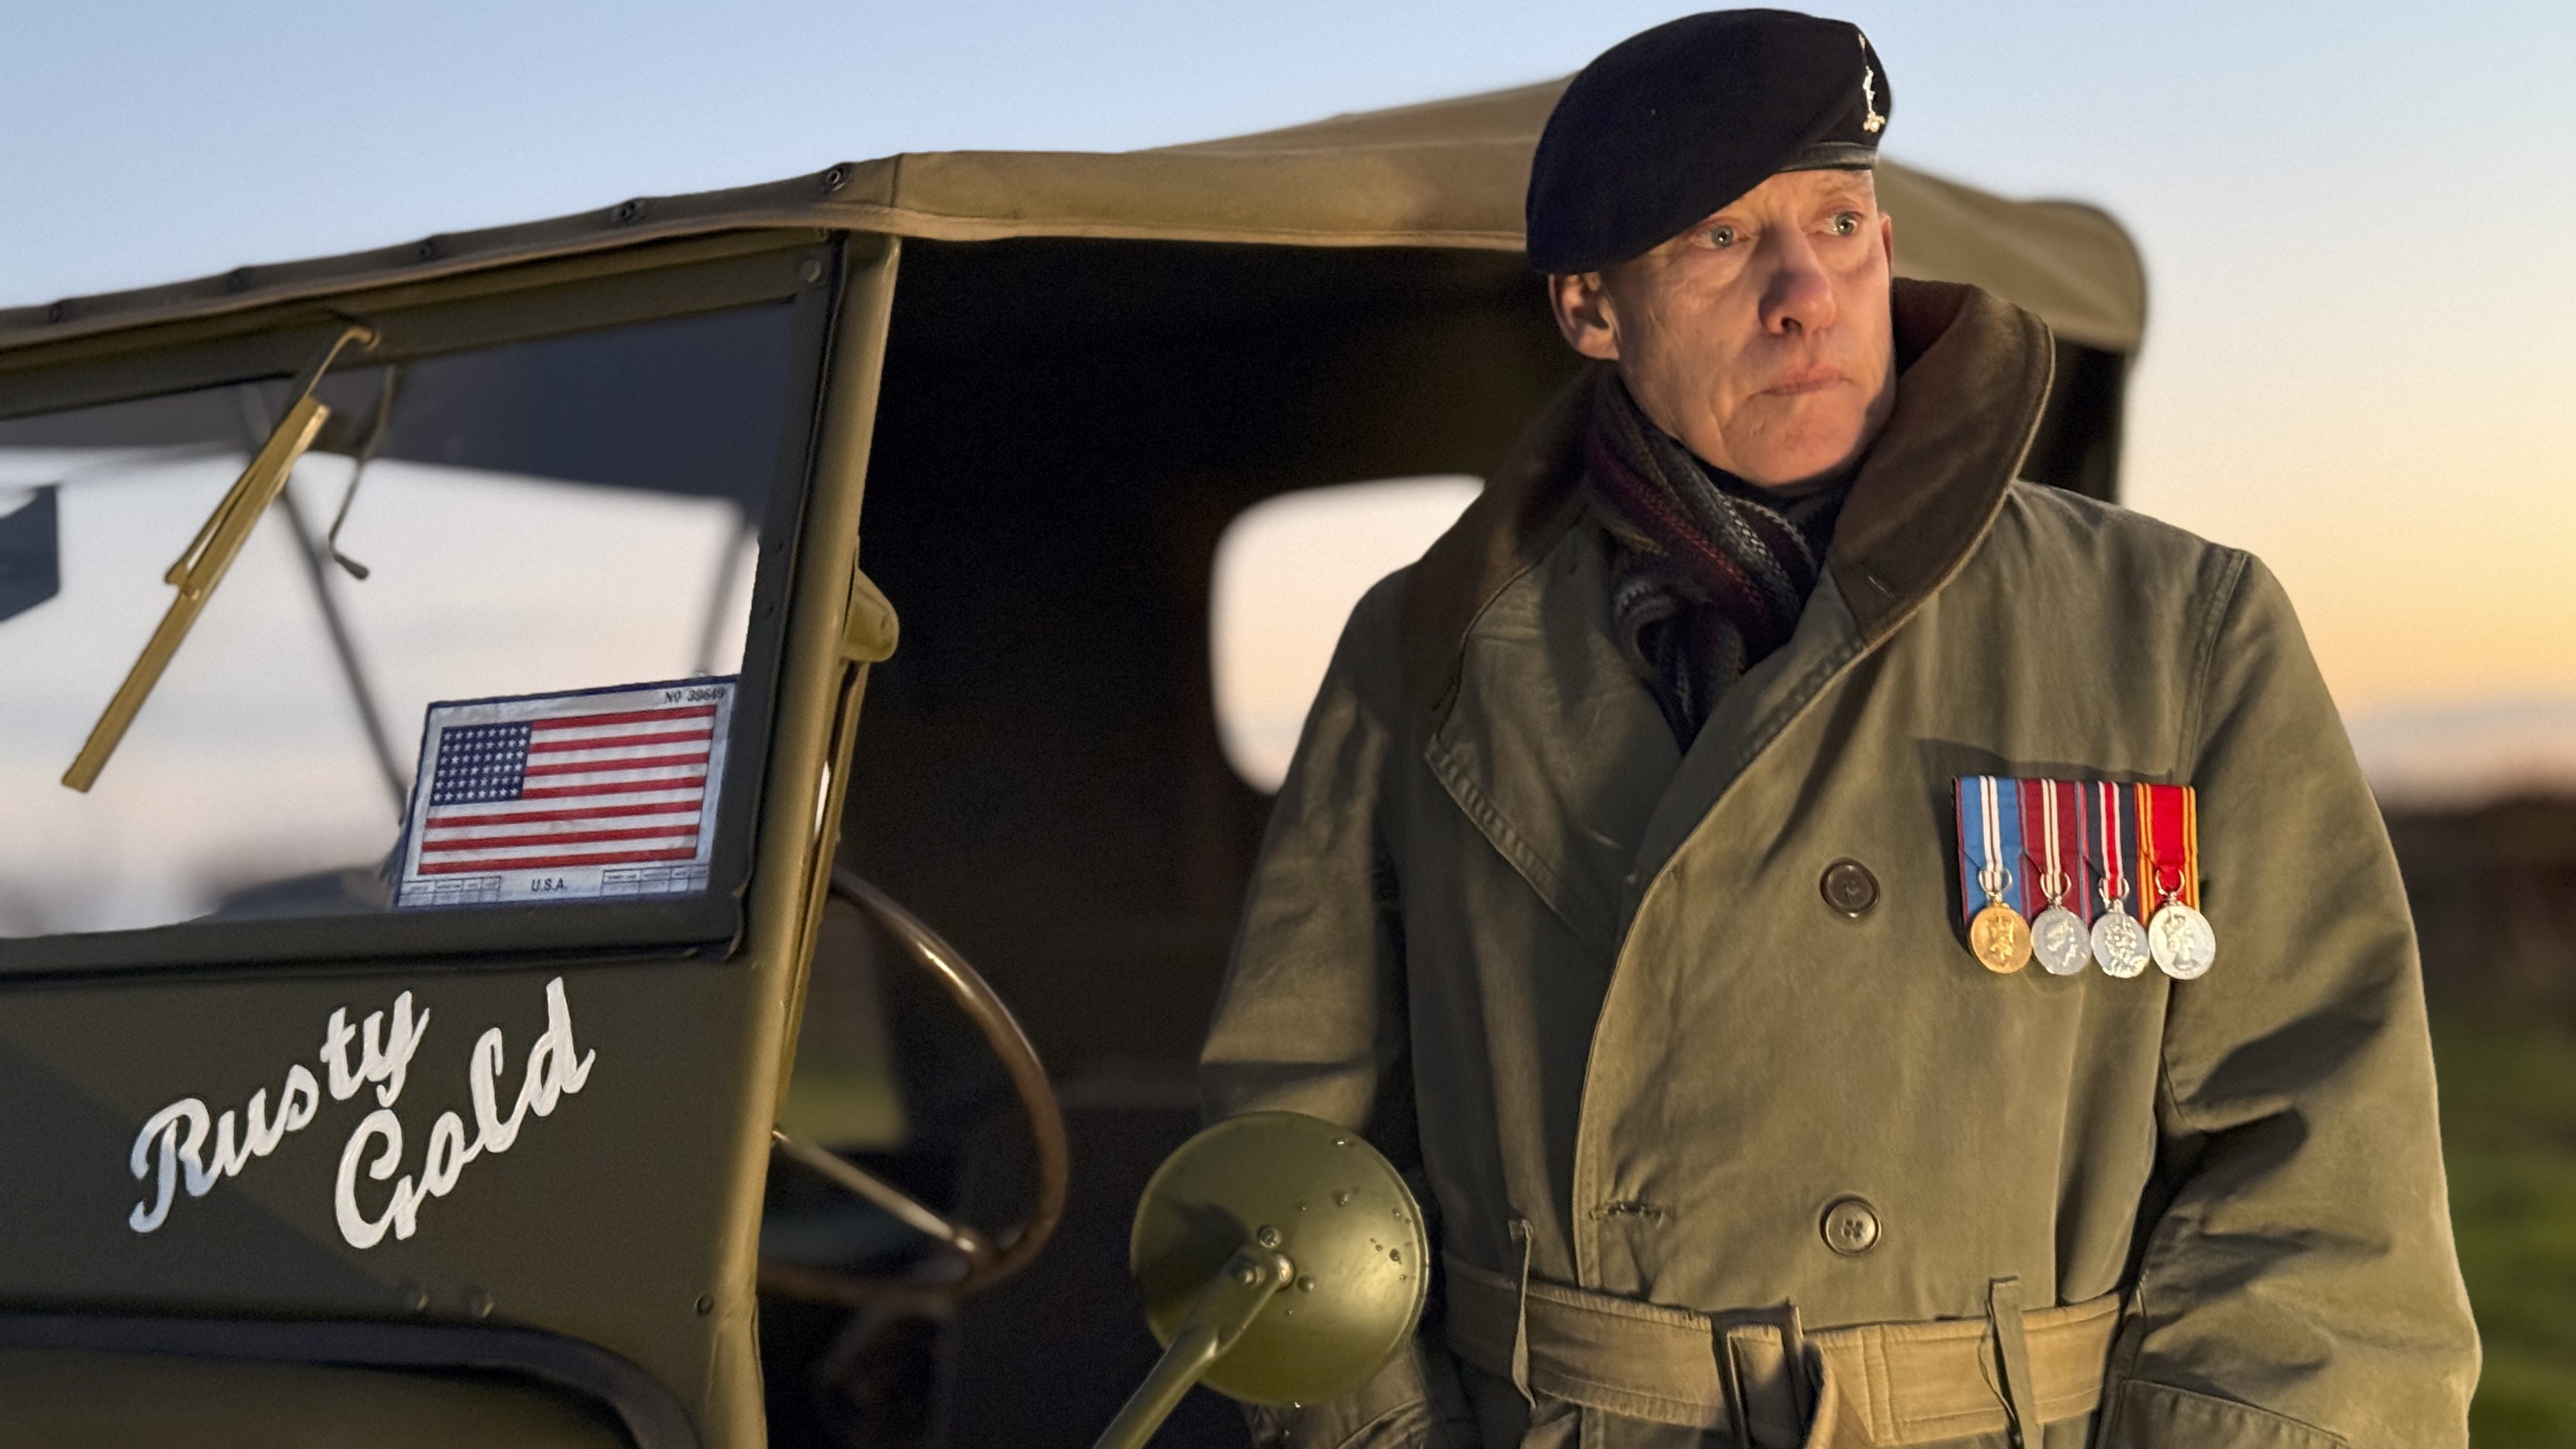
1846 223
1721 237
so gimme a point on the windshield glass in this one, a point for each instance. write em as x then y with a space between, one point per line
542 587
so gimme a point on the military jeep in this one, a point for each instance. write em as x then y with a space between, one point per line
470 971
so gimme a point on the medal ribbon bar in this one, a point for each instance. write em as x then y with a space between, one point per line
1972 835
2191 846
2123 861
2119 942
1977 870
1990 841
2179 935
2053 858
2080 821
2168 846
2053 855
2123 865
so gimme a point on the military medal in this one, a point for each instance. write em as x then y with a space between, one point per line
1998 934
2178 936
2119 942
2057 934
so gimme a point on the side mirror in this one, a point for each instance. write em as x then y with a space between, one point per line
1280 1259
31 568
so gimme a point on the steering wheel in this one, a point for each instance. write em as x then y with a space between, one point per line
980 1260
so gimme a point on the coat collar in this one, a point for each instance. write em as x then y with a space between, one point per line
1975 373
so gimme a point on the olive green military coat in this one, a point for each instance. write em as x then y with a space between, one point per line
1575 978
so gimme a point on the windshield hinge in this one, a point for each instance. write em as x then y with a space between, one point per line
868 630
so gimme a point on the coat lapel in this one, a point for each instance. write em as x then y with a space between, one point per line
1531 501
1976 376
1553 746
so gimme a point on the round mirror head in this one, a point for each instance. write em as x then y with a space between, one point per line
1340 1215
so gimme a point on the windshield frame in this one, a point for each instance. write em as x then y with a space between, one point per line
802 270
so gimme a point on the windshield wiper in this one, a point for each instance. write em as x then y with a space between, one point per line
219 540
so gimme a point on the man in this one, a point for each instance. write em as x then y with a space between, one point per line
1620 890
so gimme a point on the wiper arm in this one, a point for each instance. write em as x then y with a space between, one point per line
218 542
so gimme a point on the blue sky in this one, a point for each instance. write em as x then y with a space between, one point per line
2357 218
151 140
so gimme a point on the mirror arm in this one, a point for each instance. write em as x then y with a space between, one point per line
1232 1300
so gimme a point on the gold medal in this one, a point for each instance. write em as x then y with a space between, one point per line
1998 936
2001 939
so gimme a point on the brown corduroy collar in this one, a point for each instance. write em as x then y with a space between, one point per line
1974 376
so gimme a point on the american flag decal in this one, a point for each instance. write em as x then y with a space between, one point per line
602 793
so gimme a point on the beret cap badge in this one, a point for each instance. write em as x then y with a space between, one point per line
1675 122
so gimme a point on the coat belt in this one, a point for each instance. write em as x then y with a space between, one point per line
1890 1383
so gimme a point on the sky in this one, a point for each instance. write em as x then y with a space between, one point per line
2357 218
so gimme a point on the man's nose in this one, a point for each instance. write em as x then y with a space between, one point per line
1797 296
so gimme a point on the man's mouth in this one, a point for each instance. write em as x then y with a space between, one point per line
1802 380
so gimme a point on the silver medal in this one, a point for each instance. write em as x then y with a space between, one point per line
2057 935
2058 939
2182 942
2120 944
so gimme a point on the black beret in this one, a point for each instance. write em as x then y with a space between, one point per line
1672 124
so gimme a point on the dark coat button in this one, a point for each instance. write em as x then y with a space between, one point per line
1850 888
1851 1227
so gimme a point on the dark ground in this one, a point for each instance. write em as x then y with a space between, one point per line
2494 896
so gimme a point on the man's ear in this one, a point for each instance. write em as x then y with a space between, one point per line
1887 240
1585 315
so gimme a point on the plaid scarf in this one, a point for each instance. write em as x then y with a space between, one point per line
1708 573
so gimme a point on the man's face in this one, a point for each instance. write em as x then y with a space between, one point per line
1760 337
